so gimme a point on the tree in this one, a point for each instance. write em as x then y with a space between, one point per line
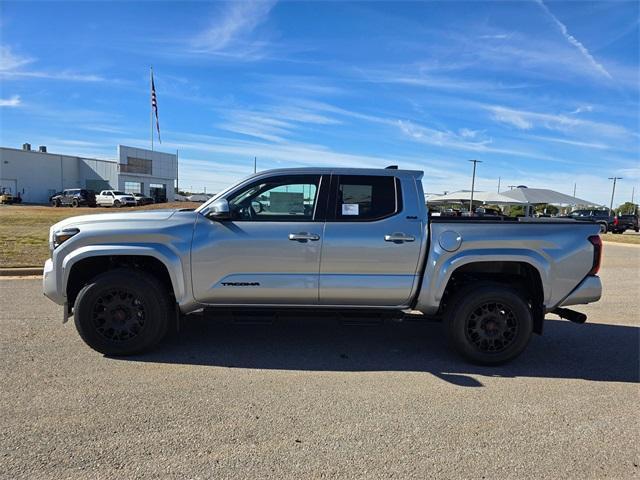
546 208
627 208
516 210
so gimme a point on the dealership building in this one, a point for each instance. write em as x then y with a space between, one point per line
38 174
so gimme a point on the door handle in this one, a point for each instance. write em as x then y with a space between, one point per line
303 237
399 238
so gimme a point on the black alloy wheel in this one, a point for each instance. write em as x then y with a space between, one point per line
123 312
488 323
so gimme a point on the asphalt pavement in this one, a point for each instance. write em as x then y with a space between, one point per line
310 398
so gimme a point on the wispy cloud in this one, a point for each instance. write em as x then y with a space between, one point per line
458 141
13 101
230 34
574 143
528 120
464 140
12 66
582 109
574 41
62 75
273 123
10 61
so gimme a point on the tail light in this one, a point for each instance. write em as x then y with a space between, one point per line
596 241
616 221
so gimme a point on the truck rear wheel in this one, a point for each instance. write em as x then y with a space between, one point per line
117 204
488 324
122 312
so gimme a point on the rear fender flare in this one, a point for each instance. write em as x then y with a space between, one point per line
433 287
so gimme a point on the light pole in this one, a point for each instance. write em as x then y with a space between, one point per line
498 184
473 182
613 192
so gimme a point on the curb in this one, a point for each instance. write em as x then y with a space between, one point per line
20 271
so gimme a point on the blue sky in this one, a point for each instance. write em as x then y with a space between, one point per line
545 94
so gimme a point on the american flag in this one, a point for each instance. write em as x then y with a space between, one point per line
154 106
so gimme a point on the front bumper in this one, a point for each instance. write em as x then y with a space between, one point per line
50 285
588 291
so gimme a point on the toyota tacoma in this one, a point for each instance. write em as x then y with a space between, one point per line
322 238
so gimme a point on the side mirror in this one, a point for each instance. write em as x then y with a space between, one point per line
219 210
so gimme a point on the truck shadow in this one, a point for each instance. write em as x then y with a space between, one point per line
597 352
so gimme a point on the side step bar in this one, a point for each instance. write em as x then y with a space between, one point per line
571 315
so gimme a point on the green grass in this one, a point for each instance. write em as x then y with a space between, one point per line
24 230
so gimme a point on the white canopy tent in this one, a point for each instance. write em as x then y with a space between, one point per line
484 197
536 196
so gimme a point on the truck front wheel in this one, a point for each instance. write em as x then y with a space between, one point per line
122 312
488 324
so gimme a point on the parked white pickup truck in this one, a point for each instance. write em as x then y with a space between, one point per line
322 239
114 198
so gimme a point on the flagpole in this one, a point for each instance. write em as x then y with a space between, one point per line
151 105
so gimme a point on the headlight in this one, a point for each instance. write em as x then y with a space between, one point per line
63 235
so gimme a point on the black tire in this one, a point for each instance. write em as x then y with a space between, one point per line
55 203
122 312
74 203
489 323
603 228
117 204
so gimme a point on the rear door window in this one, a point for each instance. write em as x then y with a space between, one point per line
366 198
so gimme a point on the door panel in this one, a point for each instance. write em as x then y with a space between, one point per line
269 253
372 242
360 268
255 262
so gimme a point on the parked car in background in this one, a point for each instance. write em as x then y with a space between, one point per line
450 212
199 197
626 222
602 217
115 198
6 197
141 199
487 212
74 197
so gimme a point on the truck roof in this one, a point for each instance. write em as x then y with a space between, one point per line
344 171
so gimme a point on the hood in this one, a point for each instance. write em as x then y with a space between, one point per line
109 218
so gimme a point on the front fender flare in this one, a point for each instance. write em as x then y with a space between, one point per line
158 251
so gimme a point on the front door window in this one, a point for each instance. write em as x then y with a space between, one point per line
278 199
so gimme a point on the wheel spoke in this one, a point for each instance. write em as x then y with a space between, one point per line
491 327
118 315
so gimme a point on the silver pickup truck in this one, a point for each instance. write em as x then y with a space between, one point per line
321 238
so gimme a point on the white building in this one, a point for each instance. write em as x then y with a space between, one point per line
36 175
